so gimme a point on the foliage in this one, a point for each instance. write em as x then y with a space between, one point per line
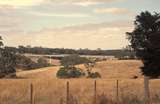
41 50
94 75
7 61
43 62
90 74
26 63
145 40
69 72
62 73
1 43
71 60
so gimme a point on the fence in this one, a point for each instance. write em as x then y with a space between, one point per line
68 95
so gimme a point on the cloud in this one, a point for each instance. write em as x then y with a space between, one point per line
86 3
95 26
74 1
20 2
116 11
37 2
13 19
65 15
81 2
103 35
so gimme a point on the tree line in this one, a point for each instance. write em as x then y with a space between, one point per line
119 53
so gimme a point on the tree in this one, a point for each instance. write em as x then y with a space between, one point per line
145 40
69 70
7 61
89 66
72 60
42 62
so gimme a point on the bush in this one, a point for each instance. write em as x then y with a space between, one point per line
62 73
69 72
93 75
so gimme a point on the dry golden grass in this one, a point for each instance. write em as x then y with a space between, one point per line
49 90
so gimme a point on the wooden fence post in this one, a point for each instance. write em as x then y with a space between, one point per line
95 92
67 93
32 94
146 90
61 100
117 91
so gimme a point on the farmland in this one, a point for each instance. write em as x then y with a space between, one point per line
50 90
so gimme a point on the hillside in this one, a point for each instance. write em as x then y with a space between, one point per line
119 69
50 90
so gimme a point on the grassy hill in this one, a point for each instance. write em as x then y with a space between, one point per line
50 90
108 69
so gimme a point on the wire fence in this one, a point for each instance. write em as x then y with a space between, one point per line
79 92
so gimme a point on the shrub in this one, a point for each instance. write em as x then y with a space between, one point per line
90 74
93 75
69 72
62 73
75 72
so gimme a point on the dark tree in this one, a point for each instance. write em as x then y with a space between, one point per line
1 43
7 61
145 40
72 60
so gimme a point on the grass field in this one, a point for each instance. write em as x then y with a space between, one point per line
50 90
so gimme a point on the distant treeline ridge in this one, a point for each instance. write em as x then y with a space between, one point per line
41 50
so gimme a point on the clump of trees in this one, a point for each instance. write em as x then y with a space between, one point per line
25 63
119 53
69 70
9 61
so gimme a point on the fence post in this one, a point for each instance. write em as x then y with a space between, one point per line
117 91
95 92
32 94
67 93
61 100
146 90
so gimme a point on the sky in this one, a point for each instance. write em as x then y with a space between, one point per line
70 23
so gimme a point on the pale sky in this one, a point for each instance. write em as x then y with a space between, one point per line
70 23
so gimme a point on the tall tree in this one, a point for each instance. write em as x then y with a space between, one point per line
145 40
7 61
